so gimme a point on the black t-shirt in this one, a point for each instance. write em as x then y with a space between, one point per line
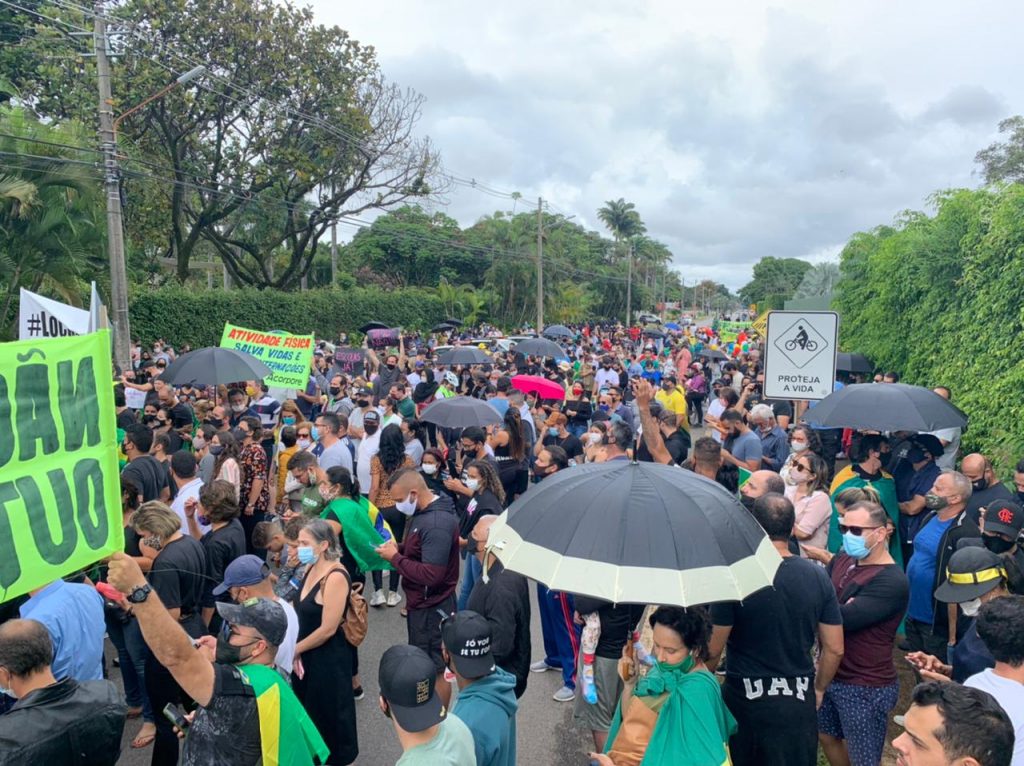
226 731
774 629
617 623
148 475
981 498
583 410
222 546
678 446
125 418
483 503
179 575
571 444
131 541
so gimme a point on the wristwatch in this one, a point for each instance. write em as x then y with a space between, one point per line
139 594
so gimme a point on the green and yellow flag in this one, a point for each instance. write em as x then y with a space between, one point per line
288 736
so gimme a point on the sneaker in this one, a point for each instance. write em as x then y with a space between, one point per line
394 599
565 694
540 666
358 693
377 599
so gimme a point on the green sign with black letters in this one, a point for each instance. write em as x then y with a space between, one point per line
60 495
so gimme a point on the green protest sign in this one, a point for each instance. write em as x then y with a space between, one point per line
60 491
289 356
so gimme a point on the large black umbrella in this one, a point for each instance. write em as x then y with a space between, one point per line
847 362
712 353
464 355
558 331
539 347
639 533
455 322
212 366
886 407
443 327
654 333
374 326
460 412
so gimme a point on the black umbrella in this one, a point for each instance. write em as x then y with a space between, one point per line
460 412
712 353
654 334
638 533
464 355
539 347
853 362
454 322
211 366
558 331
373 326
443 327
886 407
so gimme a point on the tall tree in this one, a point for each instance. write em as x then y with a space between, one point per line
774 281
1003 161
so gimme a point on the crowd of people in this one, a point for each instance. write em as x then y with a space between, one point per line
263 526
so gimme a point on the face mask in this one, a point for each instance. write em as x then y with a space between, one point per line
798 446
799 476
370 428
216 423
406 507
204 521
303 443
603 407
335 390
216 449
472 546
747 501
855 546
327 494
199 442
935 502
238 408
305 554
970 608
553 431
124 448
230 654
979 485
288 421
362 402
996 544
250 391
473 484
153 542
314 433
685 666
391 366
430 468
1020 497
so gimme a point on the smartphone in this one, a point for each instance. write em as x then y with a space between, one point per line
172 714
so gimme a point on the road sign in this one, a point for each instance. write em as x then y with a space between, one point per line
800 354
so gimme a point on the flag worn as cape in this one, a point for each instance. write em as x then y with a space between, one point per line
288 736
363 528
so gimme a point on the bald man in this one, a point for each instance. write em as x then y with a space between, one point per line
986 487
505 601
761 483
428 560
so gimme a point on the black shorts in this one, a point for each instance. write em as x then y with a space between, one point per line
425 629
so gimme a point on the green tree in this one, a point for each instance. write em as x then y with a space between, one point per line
1003 161
820 280
774 281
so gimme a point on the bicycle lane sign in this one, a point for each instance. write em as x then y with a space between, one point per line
800 354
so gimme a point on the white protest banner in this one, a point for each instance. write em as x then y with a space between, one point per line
40 317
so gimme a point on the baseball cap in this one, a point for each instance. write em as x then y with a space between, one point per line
556 419
420 363
245 570
467 637
1004 517
372 416
364 392
264 615
406 677
971 573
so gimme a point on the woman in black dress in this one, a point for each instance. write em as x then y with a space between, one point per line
322 676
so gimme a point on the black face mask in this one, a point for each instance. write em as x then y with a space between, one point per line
335 390
979 485
370 428
392 366
1020 497
996 544
472 546
216 423
362 402
747 501
230 654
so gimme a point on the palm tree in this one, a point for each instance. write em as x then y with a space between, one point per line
820 280
623 221
450 296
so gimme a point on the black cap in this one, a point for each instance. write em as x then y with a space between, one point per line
406 677
264 615
372 415
467 637
971 573
1004 517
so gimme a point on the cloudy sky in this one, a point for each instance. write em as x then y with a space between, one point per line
738 128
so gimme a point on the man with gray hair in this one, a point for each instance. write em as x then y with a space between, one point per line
932 627
774 442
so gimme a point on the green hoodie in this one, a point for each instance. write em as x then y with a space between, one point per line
488 707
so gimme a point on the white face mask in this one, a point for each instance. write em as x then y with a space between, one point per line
970 608
303 443
798 446
238 407
472 484
798 476
406 507
430 468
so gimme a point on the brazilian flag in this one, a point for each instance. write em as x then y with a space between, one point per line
288 735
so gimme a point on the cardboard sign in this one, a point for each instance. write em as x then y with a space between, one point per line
378 339
350 361
289 356
60 490
40 317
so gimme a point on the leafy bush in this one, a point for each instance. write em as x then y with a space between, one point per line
941 300
197 317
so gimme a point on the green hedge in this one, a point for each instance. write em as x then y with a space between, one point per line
197 317
940 299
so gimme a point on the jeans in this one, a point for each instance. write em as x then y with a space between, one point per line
133 691
135 646
470 574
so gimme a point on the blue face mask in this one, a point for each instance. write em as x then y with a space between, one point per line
314 433
305 554
553 431
603 407
288 421
855 546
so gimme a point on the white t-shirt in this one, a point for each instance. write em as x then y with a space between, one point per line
286 651
1010 696
414 449
947 460
337 454
368 447
606 378
715 410
190 490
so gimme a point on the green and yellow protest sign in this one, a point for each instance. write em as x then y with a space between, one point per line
60 491
289 356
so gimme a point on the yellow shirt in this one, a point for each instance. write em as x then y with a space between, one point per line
674 402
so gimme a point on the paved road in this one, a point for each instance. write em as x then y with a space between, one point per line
546 734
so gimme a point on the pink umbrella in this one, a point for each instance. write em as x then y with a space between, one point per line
544 388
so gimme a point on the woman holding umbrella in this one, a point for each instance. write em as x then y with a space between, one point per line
674 713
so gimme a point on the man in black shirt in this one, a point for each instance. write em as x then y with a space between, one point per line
556 435
222 675
987 488
771 686
143 470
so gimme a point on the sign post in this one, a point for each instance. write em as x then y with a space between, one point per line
800 354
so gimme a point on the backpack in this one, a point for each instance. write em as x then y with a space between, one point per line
354 622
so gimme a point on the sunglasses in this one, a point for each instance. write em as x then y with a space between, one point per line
855 531
304 433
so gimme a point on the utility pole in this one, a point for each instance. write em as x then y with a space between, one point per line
629 286
540 265
334 246
112 184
